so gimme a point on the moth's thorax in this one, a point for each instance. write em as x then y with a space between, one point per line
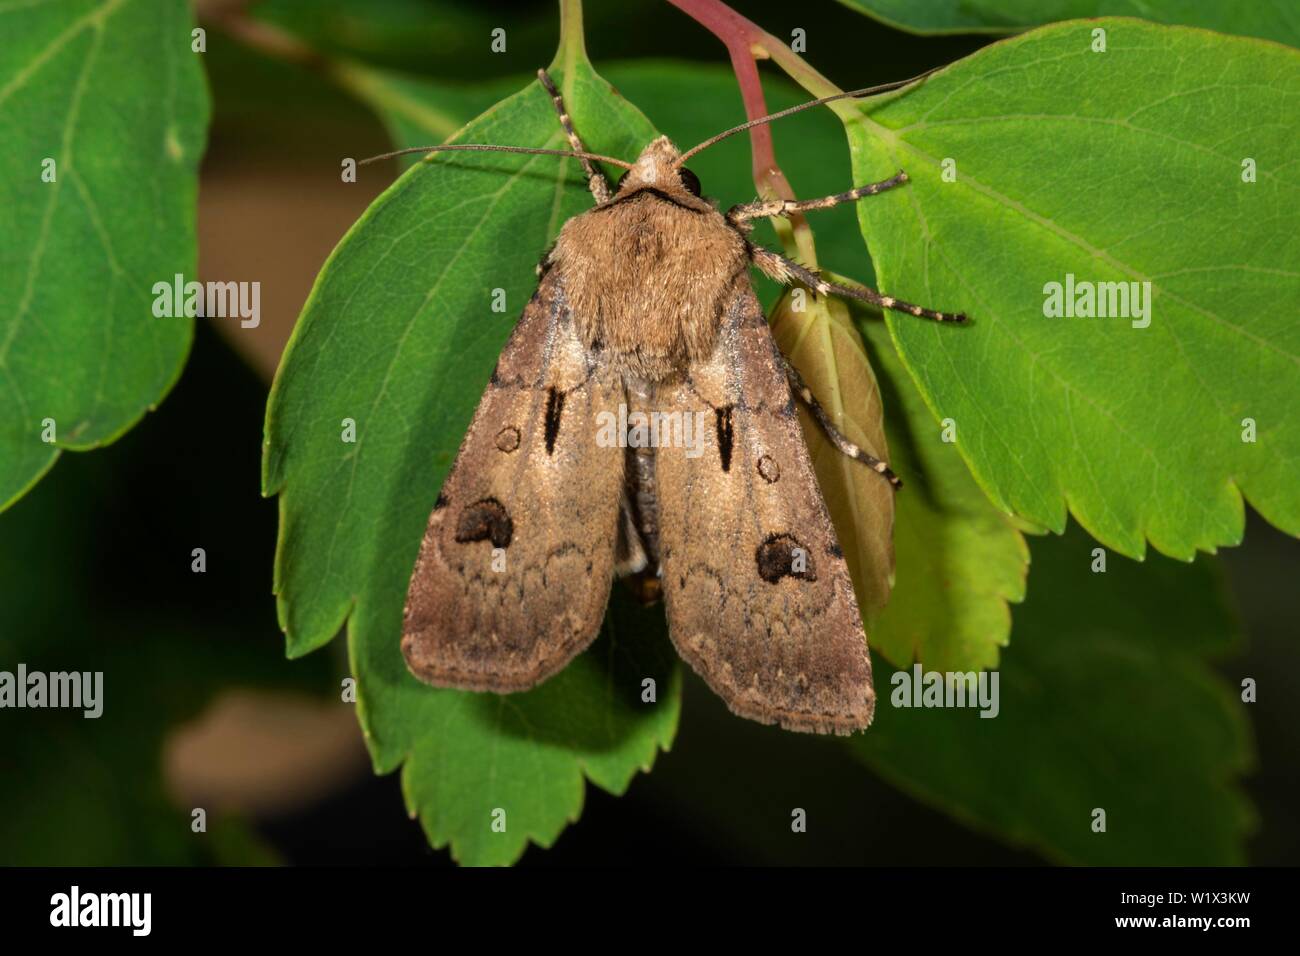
650 274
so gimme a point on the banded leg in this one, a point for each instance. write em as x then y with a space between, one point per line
596 180
783 270
837 437
784 207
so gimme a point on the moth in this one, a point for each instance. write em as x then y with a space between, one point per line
645 302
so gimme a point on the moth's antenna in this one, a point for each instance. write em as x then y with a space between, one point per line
497 149
867 91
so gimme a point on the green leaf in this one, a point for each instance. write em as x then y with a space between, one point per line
1261 18
959 560
927 16
518 760
417 112
1107 702
399 335
428 36
110 92
1114 166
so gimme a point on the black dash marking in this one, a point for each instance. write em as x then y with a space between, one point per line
724 436
554 408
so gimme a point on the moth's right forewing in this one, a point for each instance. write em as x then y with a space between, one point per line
514 571
757 591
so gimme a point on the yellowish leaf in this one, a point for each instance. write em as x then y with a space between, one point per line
821 341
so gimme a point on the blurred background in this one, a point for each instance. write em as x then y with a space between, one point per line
222 721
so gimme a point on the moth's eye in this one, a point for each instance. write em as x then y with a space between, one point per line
621 180
690 181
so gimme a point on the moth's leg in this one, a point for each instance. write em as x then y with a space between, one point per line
596 180
783 270
837 437
784 207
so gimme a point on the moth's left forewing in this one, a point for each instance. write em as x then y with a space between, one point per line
514 570
757 592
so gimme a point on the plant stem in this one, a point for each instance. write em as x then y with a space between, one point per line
746 42
573 45
265 38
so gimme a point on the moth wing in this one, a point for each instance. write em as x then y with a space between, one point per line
758 594
514 570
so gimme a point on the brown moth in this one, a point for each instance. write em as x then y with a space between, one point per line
645 302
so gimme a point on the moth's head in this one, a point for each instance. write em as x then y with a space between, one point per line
656 168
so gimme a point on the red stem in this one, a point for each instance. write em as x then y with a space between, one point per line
736 33
740 37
